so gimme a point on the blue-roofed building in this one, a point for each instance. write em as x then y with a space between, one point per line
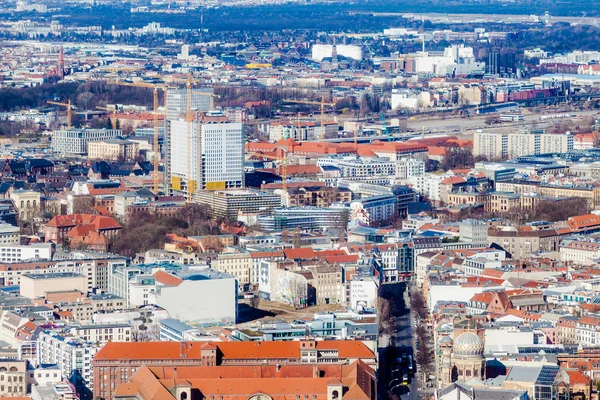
172 330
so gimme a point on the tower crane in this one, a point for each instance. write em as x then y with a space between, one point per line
156 150
113 121
283 159
385 128
322 104
69 109
191 184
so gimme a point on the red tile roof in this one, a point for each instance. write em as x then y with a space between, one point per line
98 221
167 279
300 253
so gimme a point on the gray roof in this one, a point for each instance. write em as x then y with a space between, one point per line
523 374
175 325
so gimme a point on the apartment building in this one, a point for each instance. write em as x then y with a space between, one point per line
17 253
589 192
566 330
13 378
238 264
578 251
9 234
85 309
520 244
515 144
328 284
75 141
353 166
374 210
103 333
316 196
72 355
587 331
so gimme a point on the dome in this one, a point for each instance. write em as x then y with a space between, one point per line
468 344
445 340
468 325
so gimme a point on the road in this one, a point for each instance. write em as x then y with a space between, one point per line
456 125
397 336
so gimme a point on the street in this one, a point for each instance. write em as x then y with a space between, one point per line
396 348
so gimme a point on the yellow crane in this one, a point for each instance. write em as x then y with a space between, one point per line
283 160
69 109
319 103
189 117
113 121
156 150
191 186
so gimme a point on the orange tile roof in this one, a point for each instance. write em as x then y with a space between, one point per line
583 221
266 254
229 350
167 279
453 180
98 221
299 253
576 377
437 151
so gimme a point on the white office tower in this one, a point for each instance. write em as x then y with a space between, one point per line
211 159
177 101
201 100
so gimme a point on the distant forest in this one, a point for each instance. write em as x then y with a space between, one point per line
326 17
82 95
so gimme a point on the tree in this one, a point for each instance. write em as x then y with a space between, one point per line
298 292
492 120
66 244
212 243
457 157
418 304
83 204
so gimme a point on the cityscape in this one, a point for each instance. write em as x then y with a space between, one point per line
299 200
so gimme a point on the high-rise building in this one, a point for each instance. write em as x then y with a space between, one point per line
206 156
201 101
177 101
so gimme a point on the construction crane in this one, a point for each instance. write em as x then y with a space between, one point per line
69 109
322 104
385 128
156 150
113 121
189 117
283 159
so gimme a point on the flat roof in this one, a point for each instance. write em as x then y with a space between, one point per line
54 275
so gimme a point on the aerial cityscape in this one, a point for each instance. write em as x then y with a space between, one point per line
299 200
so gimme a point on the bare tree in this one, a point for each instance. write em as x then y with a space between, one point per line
298 290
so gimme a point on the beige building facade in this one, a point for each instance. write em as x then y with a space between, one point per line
113 149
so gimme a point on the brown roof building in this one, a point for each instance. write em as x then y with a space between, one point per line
117 362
